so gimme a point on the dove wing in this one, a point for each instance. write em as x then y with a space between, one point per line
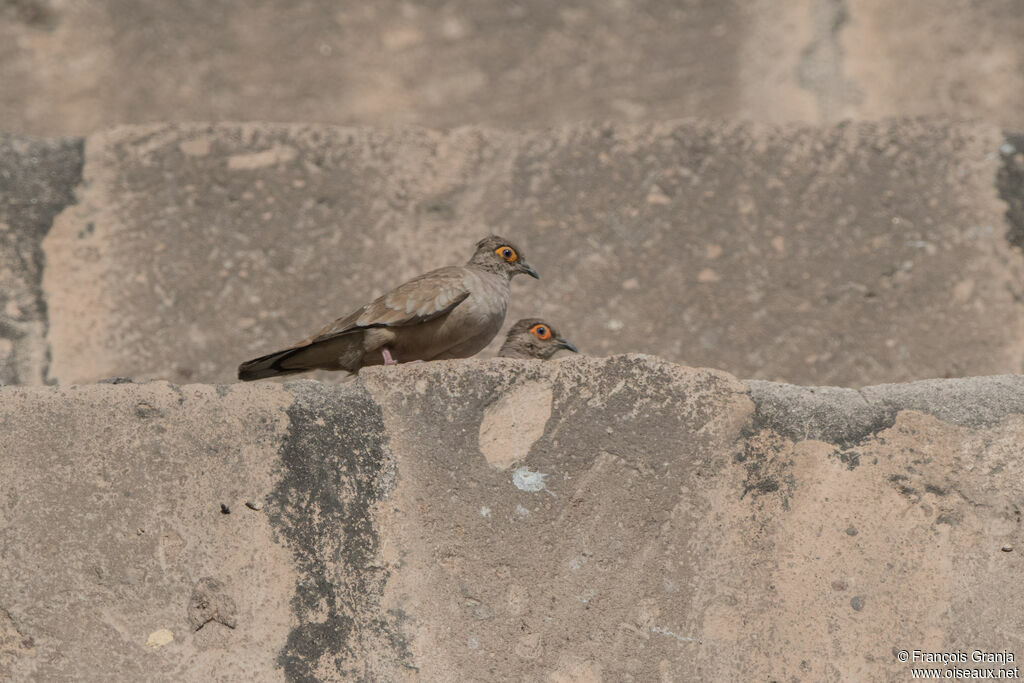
419 300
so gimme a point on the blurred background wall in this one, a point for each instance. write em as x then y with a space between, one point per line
71 67
816 191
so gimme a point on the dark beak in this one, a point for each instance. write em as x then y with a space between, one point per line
530 271
566 344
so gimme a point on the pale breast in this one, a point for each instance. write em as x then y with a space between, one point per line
485 308
480 317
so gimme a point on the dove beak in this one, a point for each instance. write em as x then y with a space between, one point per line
530 271
566 344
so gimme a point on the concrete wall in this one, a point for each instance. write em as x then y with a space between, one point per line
747 205
77 67
579 520
849 255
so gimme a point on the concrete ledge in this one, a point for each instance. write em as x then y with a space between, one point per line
846 416
589 519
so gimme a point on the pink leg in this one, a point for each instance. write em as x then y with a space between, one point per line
388 360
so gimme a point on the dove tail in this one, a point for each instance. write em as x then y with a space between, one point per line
268 366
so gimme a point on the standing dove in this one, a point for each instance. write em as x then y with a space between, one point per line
533 338
451 312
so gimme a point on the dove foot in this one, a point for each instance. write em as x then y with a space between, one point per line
388 360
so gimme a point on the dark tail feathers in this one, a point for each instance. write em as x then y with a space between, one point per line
268 366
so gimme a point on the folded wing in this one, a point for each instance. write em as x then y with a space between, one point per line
339 345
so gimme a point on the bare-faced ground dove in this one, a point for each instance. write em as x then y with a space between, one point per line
451 312
533 338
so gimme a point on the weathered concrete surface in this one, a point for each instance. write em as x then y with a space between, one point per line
76 67
37 181
661 523
907 59
851 255
114 531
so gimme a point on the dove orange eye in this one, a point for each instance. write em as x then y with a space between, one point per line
541 332
507 253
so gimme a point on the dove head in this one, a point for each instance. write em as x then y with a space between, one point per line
498 255
533 338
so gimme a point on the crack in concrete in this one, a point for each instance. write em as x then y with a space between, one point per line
14 624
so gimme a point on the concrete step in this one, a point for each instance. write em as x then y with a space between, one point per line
73 68
854 254
614 519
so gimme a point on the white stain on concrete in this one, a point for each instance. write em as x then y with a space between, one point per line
521 512
576 562
526 479
485 511
665 632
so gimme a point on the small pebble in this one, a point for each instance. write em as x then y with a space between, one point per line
1007 548
224 509
159 638
254 506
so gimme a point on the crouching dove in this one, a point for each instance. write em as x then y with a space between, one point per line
451 312
533 338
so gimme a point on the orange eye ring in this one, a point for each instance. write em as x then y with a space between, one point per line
541 331
508 253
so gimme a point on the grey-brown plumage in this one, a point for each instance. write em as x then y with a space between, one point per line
451 312
533 338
